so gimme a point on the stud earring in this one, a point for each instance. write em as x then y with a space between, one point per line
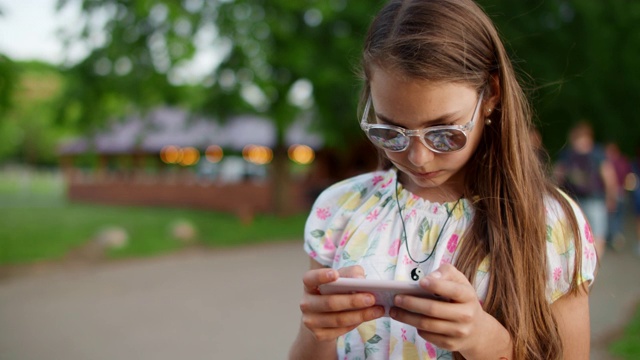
487 121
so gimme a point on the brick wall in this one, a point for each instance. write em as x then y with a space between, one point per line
242 198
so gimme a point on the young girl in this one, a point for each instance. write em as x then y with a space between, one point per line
461 205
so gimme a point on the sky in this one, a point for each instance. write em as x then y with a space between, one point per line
28 30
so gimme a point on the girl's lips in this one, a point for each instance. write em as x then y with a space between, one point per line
427 175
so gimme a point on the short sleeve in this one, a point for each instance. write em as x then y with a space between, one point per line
329 216
562 251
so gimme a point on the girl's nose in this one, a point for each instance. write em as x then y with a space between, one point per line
418 153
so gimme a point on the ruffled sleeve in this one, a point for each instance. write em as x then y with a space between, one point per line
561 250
330 214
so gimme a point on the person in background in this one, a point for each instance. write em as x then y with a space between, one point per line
622 166
460 204
585 173
635 196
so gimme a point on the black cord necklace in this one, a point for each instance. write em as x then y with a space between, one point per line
416 273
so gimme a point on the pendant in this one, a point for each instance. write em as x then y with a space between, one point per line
416 274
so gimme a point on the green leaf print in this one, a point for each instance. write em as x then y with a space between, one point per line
370 349
549 231
372 247
425 226
317 233
387 324
386 201
391 268
374 339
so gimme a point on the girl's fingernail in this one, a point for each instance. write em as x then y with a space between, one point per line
436 274
393 312
398 300
369 300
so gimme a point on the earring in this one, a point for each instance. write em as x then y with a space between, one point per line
487 121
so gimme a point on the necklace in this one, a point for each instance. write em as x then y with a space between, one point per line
416 273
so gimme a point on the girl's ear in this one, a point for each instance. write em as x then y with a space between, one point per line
494 99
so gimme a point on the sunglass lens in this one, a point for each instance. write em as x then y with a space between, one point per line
446 140
388 139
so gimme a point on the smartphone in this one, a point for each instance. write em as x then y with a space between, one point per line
383 290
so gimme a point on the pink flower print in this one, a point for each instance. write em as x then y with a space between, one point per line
394 248
382 227
377 179
431 350
323 213
452 245
434 209
329 245
589 253
373 215
387 183
588 234
557 273
336 258
411 214
313 254
445 261
344 239
404 334
407 260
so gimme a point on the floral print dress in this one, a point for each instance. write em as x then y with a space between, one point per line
356 222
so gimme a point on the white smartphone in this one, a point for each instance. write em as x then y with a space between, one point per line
383 290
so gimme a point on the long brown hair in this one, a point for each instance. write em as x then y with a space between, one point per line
455 41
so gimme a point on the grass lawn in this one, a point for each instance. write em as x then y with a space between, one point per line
628 347
36 223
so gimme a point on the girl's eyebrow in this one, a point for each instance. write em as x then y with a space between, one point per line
445 118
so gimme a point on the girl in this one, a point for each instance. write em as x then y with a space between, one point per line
461 204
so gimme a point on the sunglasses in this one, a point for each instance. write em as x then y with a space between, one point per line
439 139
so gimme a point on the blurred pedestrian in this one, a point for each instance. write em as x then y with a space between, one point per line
622 166
635 196
584 172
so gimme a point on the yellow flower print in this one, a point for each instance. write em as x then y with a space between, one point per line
392 344
350 200
484 265
409 350
560 236
458 211
357 245
429 238
367 330
370 203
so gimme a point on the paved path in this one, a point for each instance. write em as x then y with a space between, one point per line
223 304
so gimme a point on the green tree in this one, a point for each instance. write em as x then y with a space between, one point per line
579 60
270 49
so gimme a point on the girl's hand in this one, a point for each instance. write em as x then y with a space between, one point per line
459 325
330 316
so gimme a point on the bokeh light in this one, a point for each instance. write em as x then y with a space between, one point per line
301 154
171 154
190 156
256 154
214 153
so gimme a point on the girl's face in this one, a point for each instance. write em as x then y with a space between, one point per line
417 104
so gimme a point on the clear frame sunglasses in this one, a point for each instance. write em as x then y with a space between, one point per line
439 139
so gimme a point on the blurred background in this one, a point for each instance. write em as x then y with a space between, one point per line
204 130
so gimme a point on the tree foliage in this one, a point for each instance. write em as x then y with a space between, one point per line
578 59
